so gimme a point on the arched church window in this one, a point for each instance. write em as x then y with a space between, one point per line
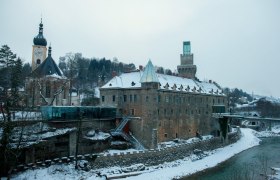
48 90
38 61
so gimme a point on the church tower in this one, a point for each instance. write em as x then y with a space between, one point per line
39 51
187 69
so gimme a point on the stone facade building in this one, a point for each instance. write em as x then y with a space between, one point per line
169 107
46 85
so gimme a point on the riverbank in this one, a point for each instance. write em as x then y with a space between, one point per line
174 169
187 167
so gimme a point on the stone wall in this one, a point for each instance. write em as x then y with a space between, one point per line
175 114
149 157
154 157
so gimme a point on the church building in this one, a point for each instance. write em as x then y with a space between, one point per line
169 107
46 85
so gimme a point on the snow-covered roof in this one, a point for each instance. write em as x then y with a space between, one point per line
94 135
167 82
149 74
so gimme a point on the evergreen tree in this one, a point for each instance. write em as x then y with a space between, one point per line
16 81
7 57
26 70
7 60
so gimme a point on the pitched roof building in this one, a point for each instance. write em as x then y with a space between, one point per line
46 85
169 106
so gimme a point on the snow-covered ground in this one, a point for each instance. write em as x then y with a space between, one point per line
170 170
187 166
275 131
23 115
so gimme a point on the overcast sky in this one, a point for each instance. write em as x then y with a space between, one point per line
235 42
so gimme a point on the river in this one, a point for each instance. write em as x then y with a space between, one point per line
247 164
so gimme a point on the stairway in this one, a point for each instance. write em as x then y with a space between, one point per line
128 137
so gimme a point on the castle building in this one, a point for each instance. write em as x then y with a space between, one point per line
169 107
46 85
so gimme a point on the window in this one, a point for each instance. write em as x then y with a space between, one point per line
166 99
158 98
38 61
147 98
164 111
186 111
130 98
48 90
64 93
132 112
124 98
135 98
165 135
113 98
103 98
171 111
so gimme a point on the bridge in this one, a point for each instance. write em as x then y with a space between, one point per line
249 118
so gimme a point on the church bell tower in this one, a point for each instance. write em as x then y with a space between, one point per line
39 50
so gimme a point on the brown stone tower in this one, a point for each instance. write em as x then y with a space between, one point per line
187 69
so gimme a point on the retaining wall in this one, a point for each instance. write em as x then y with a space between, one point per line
147 157
154 157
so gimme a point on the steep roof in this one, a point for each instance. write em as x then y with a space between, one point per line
48 67
149 74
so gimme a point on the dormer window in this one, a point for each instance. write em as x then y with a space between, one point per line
132 83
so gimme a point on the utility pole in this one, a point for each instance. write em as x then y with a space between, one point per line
78 137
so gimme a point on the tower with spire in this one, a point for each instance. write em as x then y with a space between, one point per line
46 85
39 50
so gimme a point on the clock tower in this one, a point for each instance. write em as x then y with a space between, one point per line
39 51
